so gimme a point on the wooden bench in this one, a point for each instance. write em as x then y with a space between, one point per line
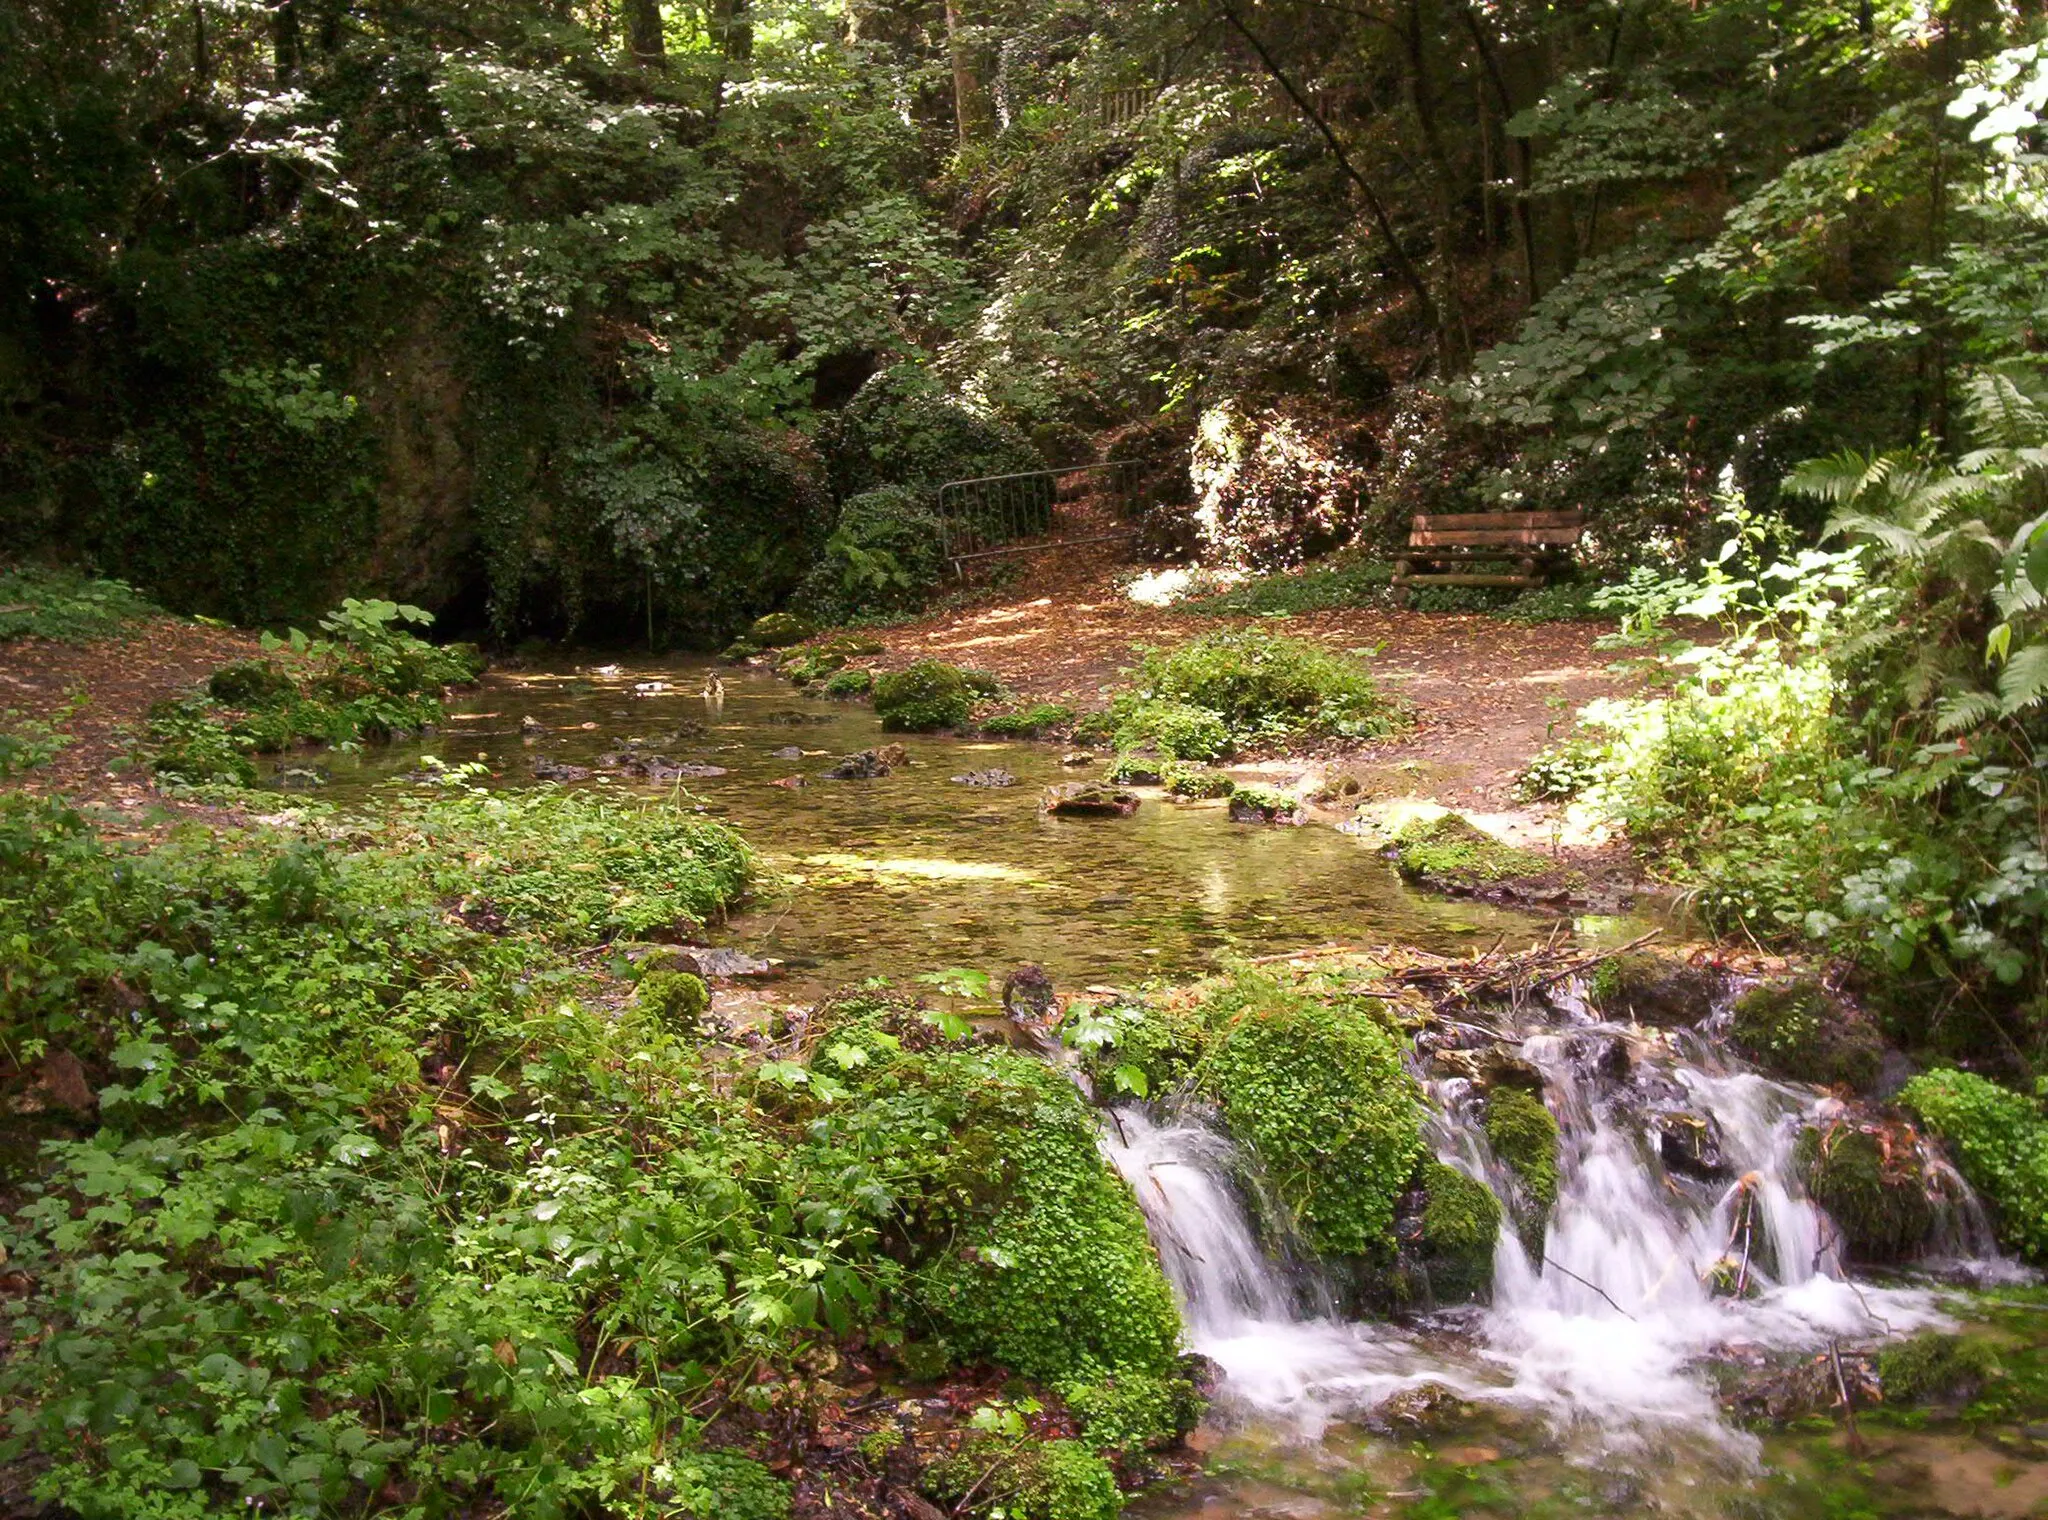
1456 542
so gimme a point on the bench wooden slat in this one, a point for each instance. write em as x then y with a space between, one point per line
1562 519
1423 538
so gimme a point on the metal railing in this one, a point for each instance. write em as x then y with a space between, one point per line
1037 509
1118 107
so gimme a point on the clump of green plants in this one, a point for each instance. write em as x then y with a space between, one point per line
45 602
1318 1093
1935 1367
677 1000
1250 803
1245 688
1196 781
1133 1411
1523 1134
720 1485
1798 1028
1133 770
1460 1222
367 679
1314 588
809 665
1451 855
881 559
1560 771
1142 1048
2000 1142
28 744
929 695
1031 722
1021 1479
849 683
1872 1187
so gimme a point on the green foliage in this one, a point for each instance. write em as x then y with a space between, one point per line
929 695
1134 1411
44 602
27 744
677 1000
1252 803
1523 1134
1004 1479
902 430
1032 722
1138 1048
1249 688
718 1485
1317 1092
777 629
2000 1141
1449 853
1460 1223
1196 781
849 683
1797 1028
1934 1367
1559 771
881 558
1322 586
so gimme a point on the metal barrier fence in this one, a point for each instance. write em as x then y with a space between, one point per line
1037 509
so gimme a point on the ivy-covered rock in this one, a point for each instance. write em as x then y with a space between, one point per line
1319 1095
1134 1411
1797 1028
929 695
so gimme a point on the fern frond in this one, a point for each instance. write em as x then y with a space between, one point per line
1841 477
2024 681
1964 710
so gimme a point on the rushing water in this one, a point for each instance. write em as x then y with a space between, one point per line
911 871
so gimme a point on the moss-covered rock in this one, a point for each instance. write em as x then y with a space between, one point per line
677 1000
1524 1136
1134 770
1797 1028
1196 781
1318 1092
1142 1048
1652 989
1870 1181
849 683
1024 1480
1935 1368
1447 854
1453 1253
1088 799
1134 1411
808 665
1263 804
739 651
929 695
778 630
1031 722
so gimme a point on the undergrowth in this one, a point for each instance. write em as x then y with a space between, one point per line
1244 688
43 602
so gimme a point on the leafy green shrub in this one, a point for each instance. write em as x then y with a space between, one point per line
1875 1195
1558 602
1144 1049
1051 1480
249 683
1197 781
718 1485
677 999
1460 1223
1797 1028
902 430
190 746
882 557
1523 1134
1094 728
810 665
1256 687
1177 730
1029 722
985 684
929 695
1319 1094
2000 1141
1560 771
27 744
43 602
1263 804
849 683
1134 1411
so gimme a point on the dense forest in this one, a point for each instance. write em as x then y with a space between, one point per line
385 1155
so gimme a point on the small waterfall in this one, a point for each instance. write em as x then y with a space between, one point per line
1645 1269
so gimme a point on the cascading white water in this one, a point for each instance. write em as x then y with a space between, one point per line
1604 1331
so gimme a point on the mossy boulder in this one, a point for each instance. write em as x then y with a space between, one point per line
929 695
1133 770
1935 1368
1263 804
1797 1028
1871 1182
1029 722
1999 1139
1144 1048
739 651
249 683
1524 1136
1319 1094
849 683
1448 854
1452 1256
1651 989
677 1000
1197 781
1134 1411
778 630
809 665
1088 799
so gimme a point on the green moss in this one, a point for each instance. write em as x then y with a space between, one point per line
739 650
1460 1222
929 695
1881 1207
1134 1411
249 683
1052 1480
850 683
778 630
809 665
677 999
1133 770
1652 989
720 1485
2000 1142
1524 1136
1319 1094
1797 1028
1197 781
1029 722
1450 854
1140 1048
1256 804
1935 1368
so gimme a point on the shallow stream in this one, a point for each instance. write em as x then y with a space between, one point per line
1589 1387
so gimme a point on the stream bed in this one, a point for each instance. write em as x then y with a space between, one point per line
1593 1385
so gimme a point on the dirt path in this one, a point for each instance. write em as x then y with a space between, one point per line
1487 693
119 679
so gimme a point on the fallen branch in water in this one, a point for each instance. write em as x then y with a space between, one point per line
1549 1261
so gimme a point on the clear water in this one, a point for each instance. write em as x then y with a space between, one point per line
912 872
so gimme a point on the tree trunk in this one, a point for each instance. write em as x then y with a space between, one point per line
1454 338
732 28
284 40
644 43
971 109
1525 226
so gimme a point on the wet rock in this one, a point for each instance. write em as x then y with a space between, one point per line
1424 1407
791 718
1689 1144
301 778
1204 1374
789 752
1077 757
791 783
657 767
1258 804
1088 799
996 776
1650 989
1871 1173
1798 1027
545 769
1028 995
894 755
715 964
865 766
532 725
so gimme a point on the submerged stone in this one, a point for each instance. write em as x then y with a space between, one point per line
996 776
